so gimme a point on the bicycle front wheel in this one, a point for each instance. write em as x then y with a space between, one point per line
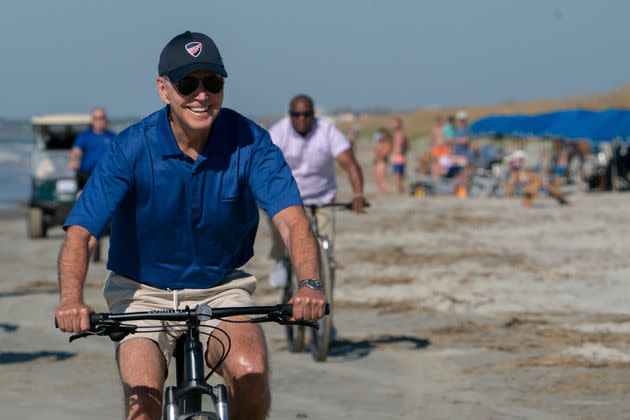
321 338
294 333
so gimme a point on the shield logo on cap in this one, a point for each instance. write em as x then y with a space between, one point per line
193 48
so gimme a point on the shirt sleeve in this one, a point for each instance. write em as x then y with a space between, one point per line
270 178
275 132
80 141
106 188
338 142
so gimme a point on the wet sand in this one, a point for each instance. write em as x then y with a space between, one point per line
445 308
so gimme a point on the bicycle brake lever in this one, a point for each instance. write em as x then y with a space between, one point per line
122 331
81 335
282 320
310 324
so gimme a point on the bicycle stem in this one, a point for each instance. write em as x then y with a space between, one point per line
193 347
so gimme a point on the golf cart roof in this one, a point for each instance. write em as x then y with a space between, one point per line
61 119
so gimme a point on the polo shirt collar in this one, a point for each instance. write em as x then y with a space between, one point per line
167 144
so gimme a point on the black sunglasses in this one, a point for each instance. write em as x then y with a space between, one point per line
307 114
189 84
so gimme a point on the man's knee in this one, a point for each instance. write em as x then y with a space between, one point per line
250 387
250 366
248 356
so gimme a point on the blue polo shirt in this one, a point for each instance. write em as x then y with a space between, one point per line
93 146
179 223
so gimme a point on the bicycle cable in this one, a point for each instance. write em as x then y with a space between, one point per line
224 351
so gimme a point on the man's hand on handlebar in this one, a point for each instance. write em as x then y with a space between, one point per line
308 304
358 204
73 317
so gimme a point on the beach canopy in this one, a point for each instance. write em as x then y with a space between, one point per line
576 124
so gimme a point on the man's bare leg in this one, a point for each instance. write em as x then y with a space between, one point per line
245 371
398 182
556 193
143 371
531 186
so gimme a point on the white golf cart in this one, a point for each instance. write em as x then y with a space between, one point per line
53 184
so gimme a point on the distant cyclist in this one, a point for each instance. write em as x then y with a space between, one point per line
90 146
311 146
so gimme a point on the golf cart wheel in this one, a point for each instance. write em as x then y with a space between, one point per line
36 223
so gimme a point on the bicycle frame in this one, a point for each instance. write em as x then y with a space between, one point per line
190 382
324 241
320 339
183 401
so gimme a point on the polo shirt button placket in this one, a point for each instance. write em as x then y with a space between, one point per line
196 213
195 171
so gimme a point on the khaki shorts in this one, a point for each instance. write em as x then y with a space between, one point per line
126 295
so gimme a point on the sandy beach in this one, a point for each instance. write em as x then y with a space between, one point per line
445 308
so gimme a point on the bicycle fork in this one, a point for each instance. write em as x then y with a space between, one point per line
218 394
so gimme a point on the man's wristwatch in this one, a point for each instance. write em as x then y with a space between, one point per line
312 283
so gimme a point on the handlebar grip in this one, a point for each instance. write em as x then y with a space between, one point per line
287 309
348 206
94 319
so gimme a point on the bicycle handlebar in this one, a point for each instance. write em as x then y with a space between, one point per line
110 324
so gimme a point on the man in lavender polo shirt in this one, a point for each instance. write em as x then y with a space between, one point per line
311 146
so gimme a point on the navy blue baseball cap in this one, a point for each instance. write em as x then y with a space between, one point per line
187 53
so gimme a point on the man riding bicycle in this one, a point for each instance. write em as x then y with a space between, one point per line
182 188
311 146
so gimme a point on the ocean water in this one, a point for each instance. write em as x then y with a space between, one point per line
15 166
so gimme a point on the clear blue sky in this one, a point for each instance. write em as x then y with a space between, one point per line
69 55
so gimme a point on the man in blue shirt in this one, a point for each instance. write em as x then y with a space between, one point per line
182 188
89 147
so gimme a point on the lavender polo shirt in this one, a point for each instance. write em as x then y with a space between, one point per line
311 158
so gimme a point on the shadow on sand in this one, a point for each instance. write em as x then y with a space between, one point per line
6 327
350 349
11 357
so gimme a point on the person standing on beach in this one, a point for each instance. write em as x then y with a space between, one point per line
448 129
90 146
311 146
461 138
182 188
399 154
381 149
